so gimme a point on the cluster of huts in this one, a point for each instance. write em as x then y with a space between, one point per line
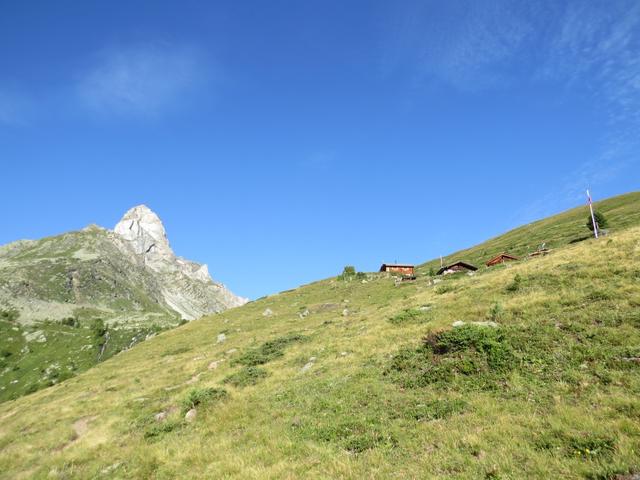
408 271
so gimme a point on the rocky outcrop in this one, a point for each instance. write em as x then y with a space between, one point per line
186 286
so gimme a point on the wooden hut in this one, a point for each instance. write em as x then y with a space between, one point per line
456 267
501 258
403 269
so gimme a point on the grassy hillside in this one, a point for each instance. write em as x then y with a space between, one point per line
353 378
568 227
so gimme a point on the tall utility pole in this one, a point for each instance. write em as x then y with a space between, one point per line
593 218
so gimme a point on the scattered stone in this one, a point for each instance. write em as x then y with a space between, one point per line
36 336
160 417
199 357
425 308
304 314
110 468
232 351
309 364
345 312
221 338
215 364
344 354
267 312
194 379
631 359
437 280
81 426
190 416
460 323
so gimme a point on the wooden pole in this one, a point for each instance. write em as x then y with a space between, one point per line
593 218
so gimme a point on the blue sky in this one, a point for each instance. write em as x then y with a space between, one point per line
280 141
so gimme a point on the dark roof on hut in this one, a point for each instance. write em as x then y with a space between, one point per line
501 256
466 265
397 265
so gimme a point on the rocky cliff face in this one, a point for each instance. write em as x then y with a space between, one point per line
186 286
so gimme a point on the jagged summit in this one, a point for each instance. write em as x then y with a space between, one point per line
187 286
144 234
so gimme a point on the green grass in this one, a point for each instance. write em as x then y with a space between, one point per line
391 390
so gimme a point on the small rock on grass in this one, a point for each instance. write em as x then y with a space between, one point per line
215 364
460 323
191 415
160 417
221 338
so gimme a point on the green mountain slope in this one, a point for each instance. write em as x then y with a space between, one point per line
70 301
558 230
56 295
366 378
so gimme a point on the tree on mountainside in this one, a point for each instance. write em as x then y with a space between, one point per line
600 219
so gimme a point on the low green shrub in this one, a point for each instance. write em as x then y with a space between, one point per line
268 351
411 315
246 376
202 396
158 430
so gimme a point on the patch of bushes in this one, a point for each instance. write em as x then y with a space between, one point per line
496 312
246 376
157 430
267 351
70 322
9 315
202 396
482 355
411 315
349 273
442 289
515 285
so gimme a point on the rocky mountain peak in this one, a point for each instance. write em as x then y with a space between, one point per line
187 286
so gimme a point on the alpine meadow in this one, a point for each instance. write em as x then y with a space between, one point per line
318 239
529 369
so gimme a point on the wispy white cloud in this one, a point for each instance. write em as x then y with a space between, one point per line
591 47
468 45
142 79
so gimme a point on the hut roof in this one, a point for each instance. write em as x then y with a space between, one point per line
465 265
500 257
396 265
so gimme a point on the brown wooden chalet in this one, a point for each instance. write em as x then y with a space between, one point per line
456 267
501 258
403 269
